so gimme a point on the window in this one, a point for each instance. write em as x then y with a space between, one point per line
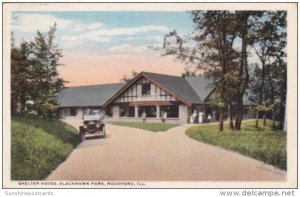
149 110
108 111
172 111
146 89
126 111
122 111
73 111
131 112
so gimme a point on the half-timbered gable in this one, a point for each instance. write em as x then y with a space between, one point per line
144 90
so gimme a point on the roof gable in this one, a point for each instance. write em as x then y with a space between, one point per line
135 93
202 86
178 87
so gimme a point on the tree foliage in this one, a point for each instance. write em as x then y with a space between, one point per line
221 45
269 46
20 66
126 78
35 80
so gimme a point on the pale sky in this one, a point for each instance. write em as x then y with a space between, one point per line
101 47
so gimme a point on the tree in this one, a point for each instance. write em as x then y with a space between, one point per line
44 79
220 46
281 85
277 71
274 90
34 75
189 73
20 64
270 42
246 21
126 78
213 52
243 20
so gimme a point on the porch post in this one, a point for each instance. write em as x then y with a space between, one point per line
116 111
136 111
157 111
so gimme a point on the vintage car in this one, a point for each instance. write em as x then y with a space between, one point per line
93 126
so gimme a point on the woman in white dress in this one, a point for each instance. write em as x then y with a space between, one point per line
165 116
193 117
200 117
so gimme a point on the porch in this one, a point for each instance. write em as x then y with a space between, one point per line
150 112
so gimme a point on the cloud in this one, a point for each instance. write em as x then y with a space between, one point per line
76 36
32 22
159 38
84 37
69 38
129 49
93 36
105 34
41 22
94 26
128 31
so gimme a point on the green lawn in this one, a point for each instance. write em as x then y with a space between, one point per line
262 144
38 146
155 127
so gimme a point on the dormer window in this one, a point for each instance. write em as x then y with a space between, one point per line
146 87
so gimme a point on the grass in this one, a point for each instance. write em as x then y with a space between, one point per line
261 143
38 146
155 127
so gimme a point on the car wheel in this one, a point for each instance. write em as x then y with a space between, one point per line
82 138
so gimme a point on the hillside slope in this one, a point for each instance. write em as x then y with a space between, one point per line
38 146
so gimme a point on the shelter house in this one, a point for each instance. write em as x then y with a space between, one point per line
154 97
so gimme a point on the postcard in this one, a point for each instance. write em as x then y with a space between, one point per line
150 95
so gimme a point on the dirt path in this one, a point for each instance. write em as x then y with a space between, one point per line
135 154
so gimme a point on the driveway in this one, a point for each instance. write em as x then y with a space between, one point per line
135 154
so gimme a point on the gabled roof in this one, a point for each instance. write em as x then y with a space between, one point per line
84 96
177 85
202 86
188 90
181 88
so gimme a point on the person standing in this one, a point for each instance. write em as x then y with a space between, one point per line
200 117
209 118
162 116
144 115
193 117
165 116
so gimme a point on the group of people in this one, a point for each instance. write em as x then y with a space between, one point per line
193 118
200 116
